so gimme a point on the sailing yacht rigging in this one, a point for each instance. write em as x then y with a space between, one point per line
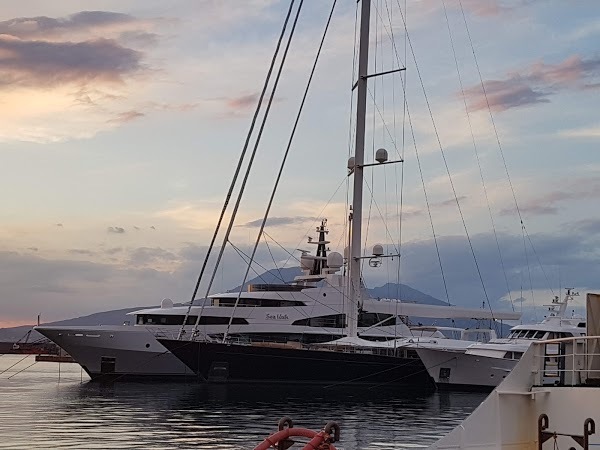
351 359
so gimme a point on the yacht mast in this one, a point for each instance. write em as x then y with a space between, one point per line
359 157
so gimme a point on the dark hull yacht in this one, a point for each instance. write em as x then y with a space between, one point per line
271 363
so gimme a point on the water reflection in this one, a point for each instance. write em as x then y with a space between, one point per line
39 411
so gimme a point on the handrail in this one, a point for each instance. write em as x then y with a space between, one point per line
571 361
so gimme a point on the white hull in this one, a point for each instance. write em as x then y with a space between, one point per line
459 370
508 418
135 350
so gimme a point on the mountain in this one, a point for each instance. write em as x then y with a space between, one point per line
404 292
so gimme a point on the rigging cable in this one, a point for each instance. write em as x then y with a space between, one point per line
462 90
237 171
406 114
254 150
500 145
449 174
287 150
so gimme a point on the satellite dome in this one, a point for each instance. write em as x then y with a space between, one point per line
381 155
307 261
351 163
335 260
378 250
166 303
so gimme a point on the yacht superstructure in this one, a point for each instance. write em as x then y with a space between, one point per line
310 310
485 365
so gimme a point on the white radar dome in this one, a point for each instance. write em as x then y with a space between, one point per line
378 250
335 260
307 262
166 303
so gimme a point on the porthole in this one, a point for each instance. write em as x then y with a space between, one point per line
147 345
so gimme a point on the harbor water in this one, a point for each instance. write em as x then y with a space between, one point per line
48 405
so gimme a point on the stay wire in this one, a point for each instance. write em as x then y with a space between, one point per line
462 90
254 150
289 144
237 170
449 174
500 145
406 115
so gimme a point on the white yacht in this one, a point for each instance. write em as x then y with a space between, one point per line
549 401
310 310
453 365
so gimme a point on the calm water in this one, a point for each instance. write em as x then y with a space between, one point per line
38 411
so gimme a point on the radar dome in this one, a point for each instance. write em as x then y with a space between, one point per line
378 250
351 163
166 303
381 155
335 260
306 262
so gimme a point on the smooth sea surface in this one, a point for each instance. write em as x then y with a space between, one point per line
48 405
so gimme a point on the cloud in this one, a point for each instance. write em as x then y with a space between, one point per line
449 202
116 230
114 250
69 77
536 83
243 101
145 255
548 203
50 64
591 226
60 225
592 132
79 251
278 221
33 249
127 116
43 27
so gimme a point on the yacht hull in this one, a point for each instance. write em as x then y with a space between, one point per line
109 353
223 363
461 371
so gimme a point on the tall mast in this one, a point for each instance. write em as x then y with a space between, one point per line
359 158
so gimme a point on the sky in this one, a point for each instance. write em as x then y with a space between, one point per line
121 125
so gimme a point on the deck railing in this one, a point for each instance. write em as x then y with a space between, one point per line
567 362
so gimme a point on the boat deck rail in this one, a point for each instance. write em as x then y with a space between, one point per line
573 361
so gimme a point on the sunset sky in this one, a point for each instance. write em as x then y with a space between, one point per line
121 124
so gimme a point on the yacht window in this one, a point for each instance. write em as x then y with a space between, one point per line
530 334
367 319
508 355
517 355
581 325
521 334
331 321
153 319
539 334
263 302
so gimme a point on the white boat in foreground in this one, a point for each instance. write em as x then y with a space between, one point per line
549 401
480 366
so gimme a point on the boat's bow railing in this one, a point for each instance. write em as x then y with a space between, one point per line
567 362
